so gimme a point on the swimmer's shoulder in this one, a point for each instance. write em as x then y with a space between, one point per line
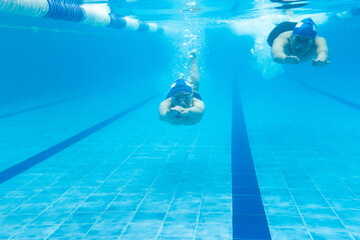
281 41
320 41
285 36
165 105
199 104
196 100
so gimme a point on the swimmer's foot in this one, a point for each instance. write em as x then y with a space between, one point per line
193 54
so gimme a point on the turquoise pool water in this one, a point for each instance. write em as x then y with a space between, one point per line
83 154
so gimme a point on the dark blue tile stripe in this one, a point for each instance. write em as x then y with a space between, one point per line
249 219
56 102
329 95
38 158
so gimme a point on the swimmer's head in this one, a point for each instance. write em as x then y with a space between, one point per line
305 28
181 93
182 99
300 45
303 37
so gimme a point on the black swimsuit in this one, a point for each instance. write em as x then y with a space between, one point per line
279 29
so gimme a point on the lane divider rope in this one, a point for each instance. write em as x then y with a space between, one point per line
95 14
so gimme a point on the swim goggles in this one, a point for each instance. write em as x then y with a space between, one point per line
185 98
302 40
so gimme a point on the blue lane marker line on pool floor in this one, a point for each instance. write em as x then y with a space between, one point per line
38 158
249 219
329 95
56 102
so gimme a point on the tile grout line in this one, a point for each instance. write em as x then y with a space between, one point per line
49 185
95 188
63 195
202 195
345 184
123 187
297 207
49 152
48 206
331 206
147 193
177 186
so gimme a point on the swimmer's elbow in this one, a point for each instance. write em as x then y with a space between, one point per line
162 116
278 54
197 117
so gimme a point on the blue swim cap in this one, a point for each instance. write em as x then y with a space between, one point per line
180 85
305 28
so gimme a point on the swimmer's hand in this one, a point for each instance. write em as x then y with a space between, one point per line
182 112
176 108
291 60
172 113
320 62
176 111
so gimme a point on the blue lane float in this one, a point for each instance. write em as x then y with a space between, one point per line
116 21
62 11
76 11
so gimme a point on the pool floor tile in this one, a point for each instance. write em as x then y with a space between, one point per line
34 232
329 234
214 230
178 229
285 221
289 233
71 230
107 228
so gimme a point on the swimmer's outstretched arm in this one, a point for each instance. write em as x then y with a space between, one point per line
194 113
164 108
278 52
167 114
322 52
195 79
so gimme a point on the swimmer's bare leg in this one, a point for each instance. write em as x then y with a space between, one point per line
195 79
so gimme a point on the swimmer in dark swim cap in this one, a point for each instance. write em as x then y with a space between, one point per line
294 43
183 104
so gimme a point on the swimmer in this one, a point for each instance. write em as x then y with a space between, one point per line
294 43
183 104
